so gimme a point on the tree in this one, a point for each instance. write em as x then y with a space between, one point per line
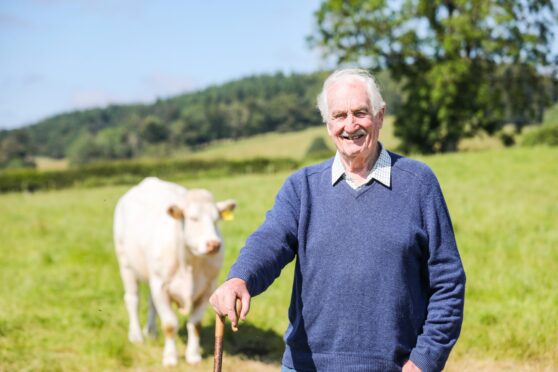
194 127
16 150
84 150
153 131
446 53
113 143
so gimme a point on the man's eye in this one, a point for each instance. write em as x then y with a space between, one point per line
361 114
339 116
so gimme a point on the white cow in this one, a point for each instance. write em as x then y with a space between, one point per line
168 237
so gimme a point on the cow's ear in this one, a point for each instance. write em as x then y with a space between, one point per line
175 212
226 208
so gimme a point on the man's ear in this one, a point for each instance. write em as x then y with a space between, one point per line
175 212
226 208
380 116
328 127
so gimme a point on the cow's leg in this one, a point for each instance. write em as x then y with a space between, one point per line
169 321
132 301
193 350
150 329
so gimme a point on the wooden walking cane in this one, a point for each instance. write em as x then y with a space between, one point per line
219 333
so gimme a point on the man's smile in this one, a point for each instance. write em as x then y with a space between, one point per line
353 136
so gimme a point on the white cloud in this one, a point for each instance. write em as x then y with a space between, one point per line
160 84
11 21
32 79
88 98
151 87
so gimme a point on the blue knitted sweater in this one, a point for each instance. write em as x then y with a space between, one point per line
378 277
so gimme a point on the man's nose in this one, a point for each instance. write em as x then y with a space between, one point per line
351 124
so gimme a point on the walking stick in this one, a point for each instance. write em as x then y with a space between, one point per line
219 333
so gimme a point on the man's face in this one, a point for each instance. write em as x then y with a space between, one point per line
351 124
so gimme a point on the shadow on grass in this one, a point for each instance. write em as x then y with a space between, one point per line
249 342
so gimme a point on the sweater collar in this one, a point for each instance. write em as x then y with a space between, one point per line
381 171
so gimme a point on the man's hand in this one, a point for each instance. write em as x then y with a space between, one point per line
224 298
410 367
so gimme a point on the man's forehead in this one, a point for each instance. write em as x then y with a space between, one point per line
344 108
347 86
352 91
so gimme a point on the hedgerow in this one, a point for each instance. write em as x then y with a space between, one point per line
128 172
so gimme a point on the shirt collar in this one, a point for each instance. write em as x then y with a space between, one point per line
381 171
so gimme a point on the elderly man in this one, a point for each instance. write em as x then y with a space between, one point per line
379 284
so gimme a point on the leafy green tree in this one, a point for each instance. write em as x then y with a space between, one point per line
447 54
16 150
281 112
237 115
153 130
84 150
113 143
194 126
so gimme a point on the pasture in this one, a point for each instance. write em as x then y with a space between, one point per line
61 305
270 145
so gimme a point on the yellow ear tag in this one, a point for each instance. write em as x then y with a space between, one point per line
227 215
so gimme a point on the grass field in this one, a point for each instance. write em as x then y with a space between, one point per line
269 145
61 302
288 145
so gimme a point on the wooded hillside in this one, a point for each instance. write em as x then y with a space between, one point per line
252 105
241 108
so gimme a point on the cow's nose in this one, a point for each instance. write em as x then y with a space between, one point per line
213 246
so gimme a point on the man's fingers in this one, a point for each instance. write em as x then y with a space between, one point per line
217 304
234 321
230 304
245 308
231 299
213 300
237 309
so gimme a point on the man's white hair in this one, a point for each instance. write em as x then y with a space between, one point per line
376 101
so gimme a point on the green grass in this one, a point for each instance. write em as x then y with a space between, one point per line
504 208
61 302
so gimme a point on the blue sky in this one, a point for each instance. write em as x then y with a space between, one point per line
62 55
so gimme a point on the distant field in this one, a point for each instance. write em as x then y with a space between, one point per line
270 145
288 145
61 302
45 163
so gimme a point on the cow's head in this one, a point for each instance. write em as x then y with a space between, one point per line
200 214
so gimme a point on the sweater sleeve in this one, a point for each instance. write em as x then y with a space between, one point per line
446 282
273 245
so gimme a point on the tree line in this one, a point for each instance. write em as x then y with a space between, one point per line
427 120
449 69
241 108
